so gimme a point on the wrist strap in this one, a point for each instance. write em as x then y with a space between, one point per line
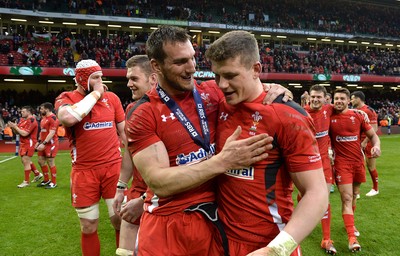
283 244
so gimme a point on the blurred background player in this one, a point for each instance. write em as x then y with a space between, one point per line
328 98
141 79
27 128
321 114
47 146
93 118
345 130
358 102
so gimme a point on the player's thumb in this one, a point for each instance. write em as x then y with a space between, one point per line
235 135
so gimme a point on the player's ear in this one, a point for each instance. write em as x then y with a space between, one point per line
257 69
155 66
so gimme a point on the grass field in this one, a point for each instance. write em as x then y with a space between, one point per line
35 221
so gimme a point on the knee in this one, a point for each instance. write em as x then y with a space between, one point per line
88 226
116 222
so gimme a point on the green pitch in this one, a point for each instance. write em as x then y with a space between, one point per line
37 221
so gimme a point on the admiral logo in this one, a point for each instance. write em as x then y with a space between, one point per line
244 173
97 126
325 113
315 158
346 138
352 119
195 156
321 134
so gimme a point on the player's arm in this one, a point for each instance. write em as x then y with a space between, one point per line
365 141
69 115
124 176
18 130
375 141
312 206
41 146
274 90
305 217
153 164
121 132
305 99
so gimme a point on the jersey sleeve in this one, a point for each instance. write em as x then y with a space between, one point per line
63 99
373 117
30 125
119 110
212 85
365 125
53 123
297 140
141 129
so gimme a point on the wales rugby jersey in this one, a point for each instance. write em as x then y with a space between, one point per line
94 140
345 132
152 121
255 202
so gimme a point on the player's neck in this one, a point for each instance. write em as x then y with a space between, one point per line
255 93
172 91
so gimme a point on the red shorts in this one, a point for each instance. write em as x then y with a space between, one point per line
89 185
326 164
182 233
242 249
26 150
347 173
367 150
50 150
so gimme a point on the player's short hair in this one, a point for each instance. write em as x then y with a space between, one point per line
233 44
359 94
343 90
29 109
47 105
141 61
328 94
162 36
318 88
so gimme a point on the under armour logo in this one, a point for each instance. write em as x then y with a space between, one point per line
164 117
223 116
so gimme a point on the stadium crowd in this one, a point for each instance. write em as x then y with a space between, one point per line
333 16
65 49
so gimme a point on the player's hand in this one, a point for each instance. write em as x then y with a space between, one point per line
375 152
132 210
364 144
266 251
244 152
101 88
11 124
118 201
40 147
273 91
